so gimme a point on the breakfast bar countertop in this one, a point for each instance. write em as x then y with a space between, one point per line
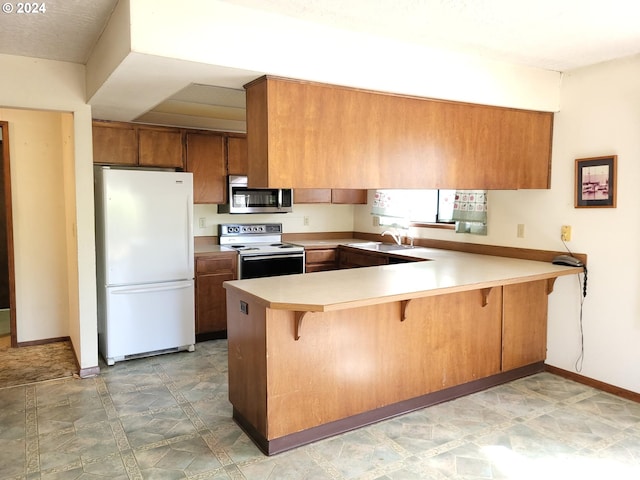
445 271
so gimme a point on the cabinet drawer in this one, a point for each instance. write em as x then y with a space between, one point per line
321 256
215 264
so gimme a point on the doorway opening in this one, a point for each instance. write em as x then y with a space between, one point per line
8 334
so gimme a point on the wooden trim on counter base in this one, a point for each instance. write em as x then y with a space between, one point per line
590 382
294 440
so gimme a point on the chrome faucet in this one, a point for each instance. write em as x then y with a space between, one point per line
395 236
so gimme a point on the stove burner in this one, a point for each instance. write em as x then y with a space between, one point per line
243 248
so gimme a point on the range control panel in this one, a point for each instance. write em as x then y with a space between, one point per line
249 229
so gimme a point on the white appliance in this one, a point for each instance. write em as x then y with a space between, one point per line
144 248
261 252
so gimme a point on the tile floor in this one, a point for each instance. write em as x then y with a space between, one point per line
168 417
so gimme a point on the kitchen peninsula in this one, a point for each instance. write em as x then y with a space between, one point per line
314 355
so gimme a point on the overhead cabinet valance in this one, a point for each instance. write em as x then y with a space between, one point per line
311 135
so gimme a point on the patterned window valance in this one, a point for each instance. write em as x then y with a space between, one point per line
470 211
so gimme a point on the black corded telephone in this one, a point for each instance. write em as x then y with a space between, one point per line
567 260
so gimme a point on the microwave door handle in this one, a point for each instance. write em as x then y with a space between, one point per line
279 199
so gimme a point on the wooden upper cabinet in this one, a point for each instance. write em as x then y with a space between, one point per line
120 143
160 148
312 195
237 156
312 135
328 195
348 195
205 159
114 144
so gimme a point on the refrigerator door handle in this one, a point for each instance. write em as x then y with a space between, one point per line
189 233
155 288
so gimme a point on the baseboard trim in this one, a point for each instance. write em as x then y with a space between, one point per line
590 382
43 342
89 372
82 372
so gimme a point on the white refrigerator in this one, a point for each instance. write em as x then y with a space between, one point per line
144 251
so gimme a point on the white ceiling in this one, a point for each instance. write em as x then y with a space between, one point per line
557 35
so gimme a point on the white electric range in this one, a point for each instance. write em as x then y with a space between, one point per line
261 250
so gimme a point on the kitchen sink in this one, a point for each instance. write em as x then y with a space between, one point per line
384 247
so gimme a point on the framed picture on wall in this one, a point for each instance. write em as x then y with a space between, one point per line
596 182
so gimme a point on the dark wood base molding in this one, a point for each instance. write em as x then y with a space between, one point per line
605 387
294 440
204 337
43 341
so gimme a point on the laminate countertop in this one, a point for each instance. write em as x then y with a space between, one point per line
442 272
209 249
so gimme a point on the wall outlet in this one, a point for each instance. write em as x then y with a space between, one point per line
202 222
305 221
520 232
565 233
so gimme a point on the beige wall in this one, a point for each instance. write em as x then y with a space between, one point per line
39 223
48 86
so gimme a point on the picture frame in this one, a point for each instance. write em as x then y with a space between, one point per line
596 182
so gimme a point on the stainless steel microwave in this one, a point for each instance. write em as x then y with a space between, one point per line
243 199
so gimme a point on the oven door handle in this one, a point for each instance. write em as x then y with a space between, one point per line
248 258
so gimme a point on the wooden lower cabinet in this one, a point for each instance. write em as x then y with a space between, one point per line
366 361
211 304
524 328
320 259
356 257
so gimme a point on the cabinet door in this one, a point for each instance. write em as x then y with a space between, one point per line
114 144
405 142
524 327
160 148
327 195
237 156
205 159
351 258
348 195
318 260
211 297
312 195
211 302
